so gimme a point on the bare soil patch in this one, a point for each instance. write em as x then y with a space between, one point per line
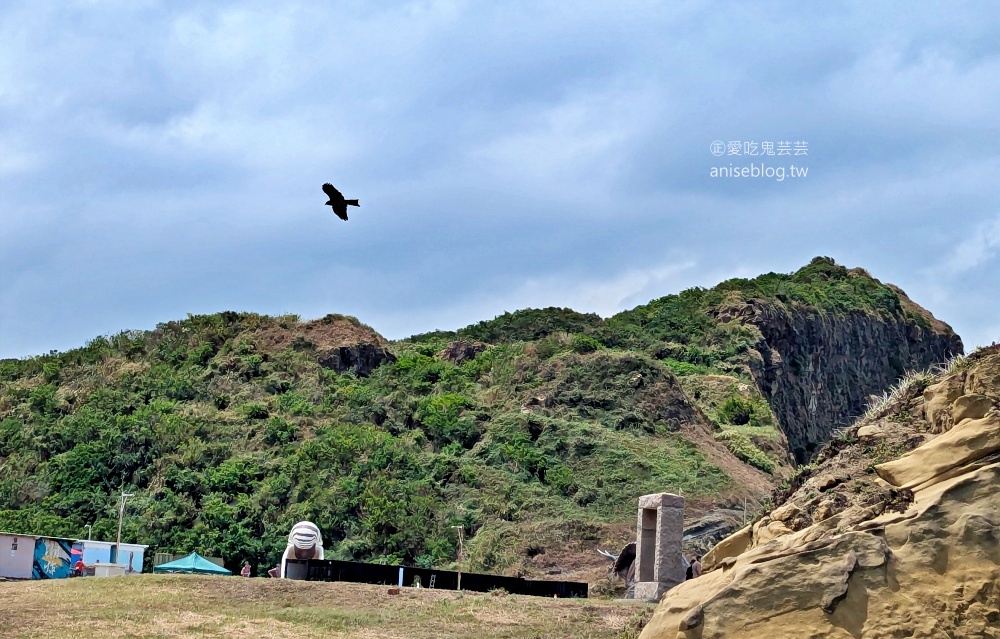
328 332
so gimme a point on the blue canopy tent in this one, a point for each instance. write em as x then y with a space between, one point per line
193 563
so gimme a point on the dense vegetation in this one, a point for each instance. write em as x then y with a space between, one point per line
228 435
227 445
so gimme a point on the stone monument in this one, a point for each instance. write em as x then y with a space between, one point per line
658 557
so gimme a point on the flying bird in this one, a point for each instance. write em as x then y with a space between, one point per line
337 201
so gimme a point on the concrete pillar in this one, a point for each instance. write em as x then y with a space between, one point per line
659 564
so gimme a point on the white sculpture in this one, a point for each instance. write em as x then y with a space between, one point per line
304 542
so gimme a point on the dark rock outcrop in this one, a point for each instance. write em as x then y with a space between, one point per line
460 351
362 359
818 369
711 528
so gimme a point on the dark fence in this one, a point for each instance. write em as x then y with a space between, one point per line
334 570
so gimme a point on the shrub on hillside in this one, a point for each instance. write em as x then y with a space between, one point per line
530 324
255 410
585 344
736 410
743 447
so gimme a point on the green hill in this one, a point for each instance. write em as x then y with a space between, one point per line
533 430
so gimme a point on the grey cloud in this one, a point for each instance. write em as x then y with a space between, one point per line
499 152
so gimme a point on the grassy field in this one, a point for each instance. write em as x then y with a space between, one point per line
181 606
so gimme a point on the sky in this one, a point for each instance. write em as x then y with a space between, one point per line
165 158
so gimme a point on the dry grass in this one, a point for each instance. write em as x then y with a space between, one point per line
880 405
185 606
329 332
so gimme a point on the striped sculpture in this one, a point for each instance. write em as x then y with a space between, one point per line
304 542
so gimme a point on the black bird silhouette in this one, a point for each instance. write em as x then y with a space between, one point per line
337 201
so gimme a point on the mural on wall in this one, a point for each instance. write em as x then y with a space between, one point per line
51 559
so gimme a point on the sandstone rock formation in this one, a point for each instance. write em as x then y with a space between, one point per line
894 533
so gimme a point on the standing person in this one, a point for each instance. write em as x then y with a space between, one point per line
696 566
246 569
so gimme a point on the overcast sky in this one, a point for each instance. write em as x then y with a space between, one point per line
165 158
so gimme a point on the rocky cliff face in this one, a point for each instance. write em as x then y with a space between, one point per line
896 532
818 369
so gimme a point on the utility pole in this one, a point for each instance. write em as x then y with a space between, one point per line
121 513
461 536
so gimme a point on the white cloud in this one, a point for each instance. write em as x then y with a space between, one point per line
15 159
921 88
978 248
604 296
576 147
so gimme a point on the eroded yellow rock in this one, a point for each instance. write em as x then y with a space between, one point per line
970 407
935 572
920 563
731 546
963 444
938 399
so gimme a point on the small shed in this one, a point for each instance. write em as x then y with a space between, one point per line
17 555
130 556
104 552
96 552
34 557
